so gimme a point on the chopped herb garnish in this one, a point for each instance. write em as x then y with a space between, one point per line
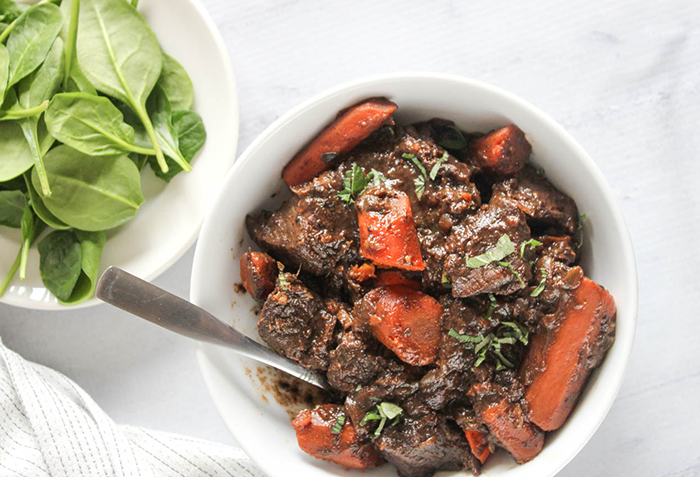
512 270
543 282
532 243
338 426
356 182
436 168
446 282
383 412
492 306
581 220
281 279
358 388
483 344
503 248
516 332
452 138
419 184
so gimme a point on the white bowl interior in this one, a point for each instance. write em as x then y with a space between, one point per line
261 425
168 222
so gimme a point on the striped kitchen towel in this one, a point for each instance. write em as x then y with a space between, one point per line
51 427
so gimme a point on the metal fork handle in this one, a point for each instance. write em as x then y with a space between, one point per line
140 298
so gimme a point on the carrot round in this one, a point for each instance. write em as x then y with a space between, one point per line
406 321
327 433
517 435
258 274
388 233
338 139
395 277
556 363
478 444
503 151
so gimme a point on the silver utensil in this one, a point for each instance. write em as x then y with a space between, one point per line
140 298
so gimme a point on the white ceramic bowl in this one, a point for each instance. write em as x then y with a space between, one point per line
258 423
169 221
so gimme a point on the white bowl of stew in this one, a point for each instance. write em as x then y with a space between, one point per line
255 406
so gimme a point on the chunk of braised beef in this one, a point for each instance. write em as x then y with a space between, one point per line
298 323
545 207
478 234
314 229
419 446
502 152
355 362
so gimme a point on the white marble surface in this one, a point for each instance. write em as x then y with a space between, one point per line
623 77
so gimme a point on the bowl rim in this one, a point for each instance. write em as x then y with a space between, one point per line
626 247
19 302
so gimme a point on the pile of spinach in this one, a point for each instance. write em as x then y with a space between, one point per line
87 100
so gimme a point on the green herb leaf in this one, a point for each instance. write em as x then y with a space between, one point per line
356 182
452 138
445 281
418 164
370 416
15 155
12 204
390 410
436 168
543 283
512 270
419 184
338 426
191 135
532 243
503 248
516 332
91 193
492 306
282 281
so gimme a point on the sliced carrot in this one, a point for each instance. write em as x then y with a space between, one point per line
479 445
556 363
394 277
507 423
503 151
313 428
388 233
406 321
338 139
361 273
258 274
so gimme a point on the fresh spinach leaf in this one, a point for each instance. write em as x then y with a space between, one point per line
71 37
30 231
60 257
161 114
40 208
12 203
11 10
4 70
91 193
91 125
191 135
140 160
32 91
15 155
176 83
121 57
31 40
91 246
